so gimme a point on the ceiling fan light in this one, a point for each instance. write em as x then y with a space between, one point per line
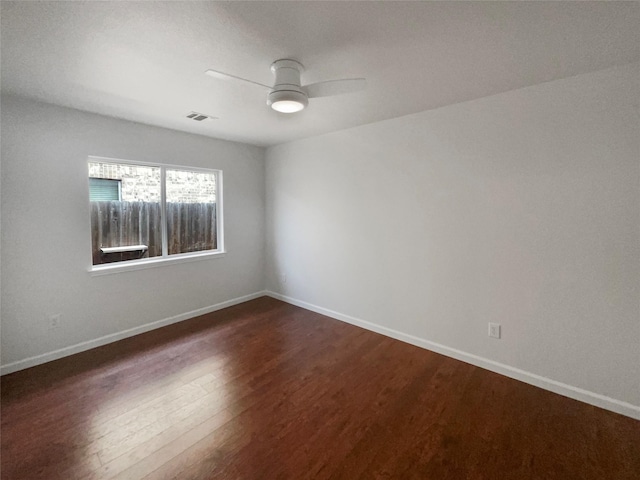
287 106
287 101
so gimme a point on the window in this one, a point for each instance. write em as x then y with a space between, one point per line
142 213
104 189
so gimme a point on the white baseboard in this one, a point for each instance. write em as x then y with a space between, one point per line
114 337
570 391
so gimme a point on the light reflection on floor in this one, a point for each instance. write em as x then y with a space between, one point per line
128 428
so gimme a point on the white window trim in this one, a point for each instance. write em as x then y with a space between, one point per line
142 264
165 259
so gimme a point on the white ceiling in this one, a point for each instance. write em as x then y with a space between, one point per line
145 61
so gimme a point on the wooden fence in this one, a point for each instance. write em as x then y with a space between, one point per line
191 227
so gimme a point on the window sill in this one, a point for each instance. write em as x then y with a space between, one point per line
130 265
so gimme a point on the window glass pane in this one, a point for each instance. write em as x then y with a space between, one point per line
191 211
128 228
104 189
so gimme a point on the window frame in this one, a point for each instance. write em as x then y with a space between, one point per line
165 258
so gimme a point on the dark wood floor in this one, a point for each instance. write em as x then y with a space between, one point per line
266 390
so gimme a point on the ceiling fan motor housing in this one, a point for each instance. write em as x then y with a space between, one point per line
287 87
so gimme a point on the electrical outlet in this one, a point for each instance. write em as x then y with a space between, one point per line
494 330
54 321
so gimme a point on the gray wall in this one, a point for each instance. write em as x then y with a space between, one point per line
520 208
46 231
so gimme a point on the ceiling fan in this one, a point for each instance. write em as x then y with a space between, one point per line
287 95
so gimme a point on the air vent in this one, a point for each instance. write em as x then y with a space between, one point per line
199 117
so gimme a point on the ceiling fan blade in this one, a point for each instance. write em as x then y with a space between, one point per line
335 87
227 76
